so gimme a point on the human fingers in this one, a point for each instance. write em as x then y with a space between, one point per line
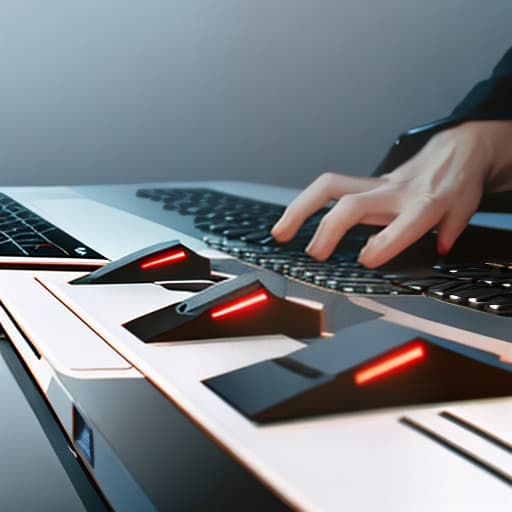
453 224
314 197
348 211
409 226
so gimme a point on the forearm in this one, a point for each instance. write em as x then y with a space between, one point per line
490 99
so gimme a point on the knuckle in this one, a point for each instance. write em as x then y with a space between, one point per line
428 200
327 179
351 202
328 222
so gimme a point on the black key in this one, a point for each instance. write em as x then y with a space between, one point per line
500 305
479 298
351 288
11 249
423 284
474 274
41 225
256 236
208 217
383 289
320 279
472 295
29 242
496 280
460 267
236 232
23 234
220 227
69 244
189 210
296 271
364 280
441 290
15 227
28 216
47 249
203 226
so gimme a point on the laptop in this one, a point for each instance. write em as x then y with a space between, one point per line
155 420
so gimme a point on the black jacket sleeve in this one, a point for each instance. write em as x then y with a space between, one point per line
488 100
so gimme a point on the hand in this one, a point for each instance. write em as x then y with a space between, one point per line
440 187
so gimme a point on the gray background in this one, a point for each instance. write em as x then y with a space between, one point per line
264 90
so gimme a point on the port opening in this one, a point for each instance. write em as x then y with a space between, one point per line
83 437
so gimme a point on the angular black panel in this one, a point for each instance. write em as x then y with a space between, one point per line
248 305
368 366
165 261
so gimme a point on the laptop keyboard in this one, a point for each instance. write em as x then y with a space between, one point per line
481 286
241 227
24 233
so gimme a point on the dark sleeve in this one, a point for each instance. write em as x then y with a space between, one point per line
490 99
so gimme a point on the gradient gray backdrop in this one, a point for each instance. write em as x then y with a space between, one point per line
263 90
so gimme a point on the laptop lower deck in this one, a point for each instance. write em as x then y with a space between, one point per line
181 370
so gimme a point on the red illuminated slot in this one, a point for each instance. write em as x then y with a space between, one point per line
163 259
239 305
387 365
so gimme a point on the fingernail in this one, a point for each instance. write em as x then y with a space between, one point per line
442 250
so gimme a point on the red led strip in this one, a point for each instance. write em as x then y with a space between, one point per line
170 257
409 355
239 305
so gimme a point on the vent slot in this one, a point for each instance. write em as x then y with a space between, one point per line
458 449
476 430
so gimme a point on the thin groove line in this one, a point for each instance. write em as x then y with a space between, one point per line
475 430
456 449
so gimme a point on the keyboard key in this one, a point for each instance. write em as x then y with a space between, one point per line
11 249
440 291
499 305
256 236
478 298
424 284
456 268
20 234
472 294
47 250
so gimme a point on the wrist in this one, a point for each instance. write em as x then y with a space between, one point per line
494 140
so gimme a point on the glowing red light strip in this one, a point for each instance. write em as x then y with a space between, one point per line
166 258
239 305
406 357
